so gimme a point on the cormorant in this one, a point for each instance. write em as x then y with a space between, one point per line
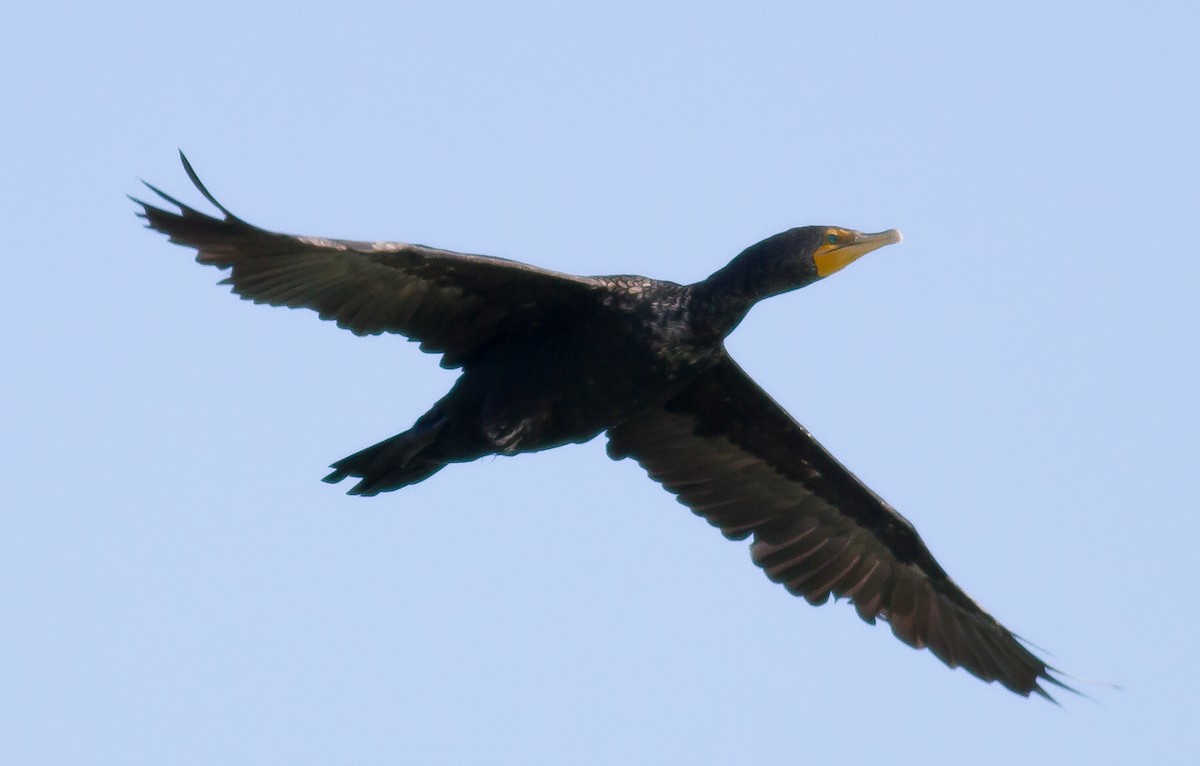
550 359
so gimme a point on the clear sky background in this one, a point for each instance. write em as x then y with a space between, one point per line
1019 378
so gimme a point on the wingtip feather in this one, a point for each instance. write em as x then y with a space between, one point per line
195 179
165 196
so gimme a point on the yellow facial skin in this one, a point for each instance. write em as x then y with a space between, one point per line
841 247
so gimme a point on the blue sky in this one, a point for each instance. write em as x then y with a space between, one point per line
1018 377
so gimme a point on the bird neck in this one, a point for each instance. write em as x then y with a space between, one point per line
721 302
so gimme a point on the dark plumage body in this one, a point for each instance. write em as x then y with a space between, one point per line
565 378
549 358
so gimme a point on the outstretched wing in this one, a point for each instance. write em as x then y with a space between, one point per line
452 303
736 458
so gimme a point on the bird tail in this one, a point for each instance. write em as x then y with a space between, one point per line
392 463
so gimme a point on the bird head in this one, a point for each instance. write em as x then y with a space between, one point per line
780 263
798 257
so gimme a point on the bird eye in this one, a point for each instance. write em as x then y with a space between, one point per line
832 239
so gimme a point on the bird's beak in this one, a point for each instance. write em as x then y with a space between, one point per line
849 248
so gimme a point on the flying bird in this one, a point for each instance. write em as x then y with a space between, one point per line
549 359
